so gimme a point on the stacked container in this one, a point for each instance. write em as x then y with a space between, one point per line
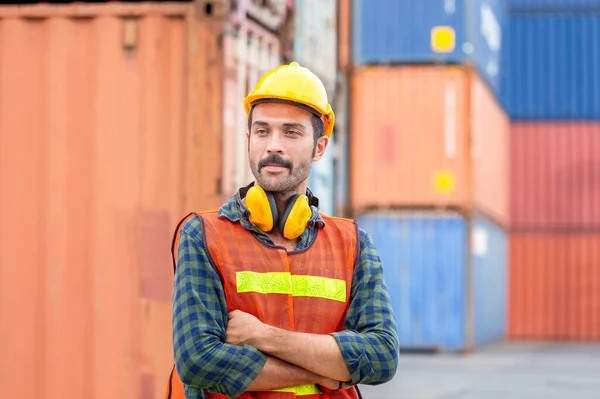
112 128
315 47
550 86
428 177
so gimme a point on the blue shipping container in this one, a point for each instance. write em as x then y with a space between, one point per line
403 31
551 66
424 259
490 268
551 5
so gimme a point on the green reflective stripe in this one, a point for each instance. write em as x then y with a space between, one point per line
319 287
301 390
296 285
264 283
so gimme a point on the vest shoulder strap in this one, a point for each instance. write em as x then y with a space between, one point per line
177 232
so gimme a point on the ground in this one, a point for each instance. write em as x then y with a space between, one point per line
500 371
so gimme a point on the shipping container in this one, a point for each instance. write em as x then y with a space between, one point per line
427 136
315 41
430 31
104 135
554 289
249 52
550 66
555 176
447 293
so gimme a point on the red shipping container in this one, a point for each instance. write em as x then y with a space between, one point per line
554 287
555 176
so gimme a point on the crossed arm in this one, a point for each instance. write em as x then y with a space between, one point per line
242 354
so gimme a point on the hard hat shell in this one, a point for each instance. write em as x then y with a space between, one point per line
296 84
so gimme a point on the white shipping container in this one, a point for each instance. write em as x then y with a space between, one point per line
315 42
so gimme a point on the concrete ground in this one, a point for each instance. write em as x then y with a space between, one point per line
500 371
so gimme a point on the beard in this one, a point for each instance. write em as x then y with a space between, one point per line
281 183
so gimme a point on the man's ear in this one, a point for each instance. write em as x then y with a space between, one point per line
322 143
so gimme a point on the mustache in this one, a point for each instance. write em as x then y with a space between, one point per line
274 159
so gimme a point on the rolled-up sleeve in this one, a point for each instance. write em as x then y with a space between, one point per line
369 345
202 358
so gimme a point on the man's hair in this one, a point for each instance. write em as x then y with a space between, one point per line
317 123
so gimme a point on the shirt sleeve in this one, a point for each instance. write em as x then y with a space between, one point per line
202 358
369 345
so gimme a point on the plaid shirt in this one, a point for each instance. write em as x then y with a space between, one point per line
369 345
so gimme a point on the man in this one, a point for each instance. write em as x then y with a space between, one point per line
271 299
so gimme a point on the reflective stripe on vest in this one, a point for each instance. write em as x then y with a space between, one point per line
301 390
295 285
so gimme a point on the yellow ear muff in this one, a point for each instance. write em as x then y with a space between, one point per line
262 208
296 217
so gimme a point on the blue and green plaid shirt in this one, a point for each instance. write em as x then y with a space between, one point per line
369 345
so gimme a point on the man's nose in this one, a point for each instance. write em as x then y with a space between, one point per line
275 144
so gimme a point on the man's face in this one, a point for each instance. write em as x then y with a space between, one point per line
281 146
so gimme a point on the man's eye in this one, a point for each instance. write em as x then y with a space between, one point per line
261 131
293 132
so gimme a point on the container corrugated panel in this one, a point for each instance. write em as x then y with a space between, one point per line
391 31
315 41
555 176
554 287
434 134
489 249
424 267
157 348
425 259
93 166
344 34
490 130
553 5
550 66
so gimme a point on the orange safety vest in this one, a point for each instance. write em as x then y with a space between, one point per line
306 291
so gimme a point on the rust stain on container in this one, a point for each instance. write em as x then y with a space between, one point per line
155 235
450 140
554 287
555 176
104 144
147 386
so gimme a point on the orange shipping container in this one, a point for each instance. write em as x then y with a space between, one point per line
554 289
107 138
427 136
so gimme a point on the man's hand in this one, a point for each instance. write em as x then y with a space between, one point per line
242 327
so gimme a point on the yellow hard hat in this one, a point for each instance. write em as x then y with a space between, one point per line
297 84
